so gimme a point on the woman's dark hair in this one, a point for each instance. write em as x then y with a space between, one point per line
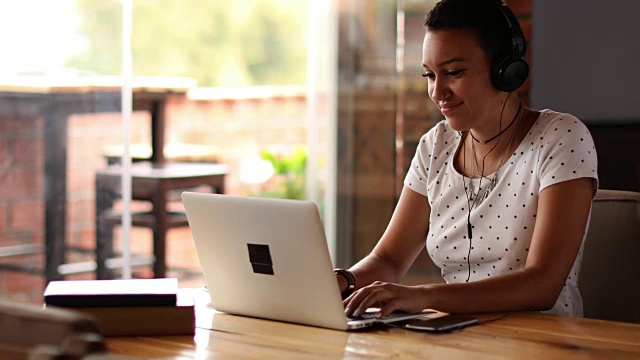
483 17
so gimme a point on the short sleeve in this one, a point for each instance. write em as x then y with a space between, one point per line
416 178
567 152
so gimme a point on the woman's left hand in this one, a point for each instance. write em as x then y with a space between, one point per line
388 297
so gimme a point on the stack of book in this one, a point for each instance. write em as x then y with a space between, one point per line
137 307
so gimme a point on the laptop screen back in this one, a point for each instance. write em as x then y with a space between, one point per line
265 258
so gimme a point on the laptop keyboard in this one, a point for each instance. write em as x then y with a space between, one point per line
371 314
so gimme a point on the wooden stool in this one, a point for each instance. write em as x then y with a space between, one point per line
153 184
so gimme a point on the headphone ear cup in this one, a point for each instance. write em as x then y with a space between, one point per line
509 73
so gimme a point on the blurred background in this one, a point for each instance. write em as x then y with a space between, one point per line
318 100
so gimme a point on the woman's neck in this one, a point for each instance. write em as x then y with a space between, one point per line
492 153
499 127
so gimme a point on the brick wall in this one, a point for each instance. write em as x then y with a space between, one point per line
238 127
21 176
21 195
235 127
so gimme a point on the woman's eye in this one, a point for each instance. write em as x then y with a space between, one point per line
428 75
455 72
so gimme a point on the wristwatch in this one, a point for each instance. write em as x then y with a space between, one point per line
351 281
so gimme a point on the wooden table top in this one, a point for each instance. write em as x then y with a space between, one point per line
518 335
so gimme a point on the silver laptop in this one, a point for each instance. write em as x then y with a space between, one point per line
268 258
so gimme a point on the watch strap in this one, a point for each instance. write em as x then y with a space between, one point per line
350 278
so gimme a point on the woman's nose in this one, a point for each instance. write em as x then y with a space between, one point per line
439 90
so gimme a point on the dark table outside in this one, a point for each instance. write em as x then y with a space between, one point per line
55 102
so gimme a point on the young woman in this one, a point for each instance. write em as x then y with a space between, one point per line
501 193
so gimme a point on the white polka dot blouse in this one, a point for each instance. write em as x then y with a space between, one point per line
557 148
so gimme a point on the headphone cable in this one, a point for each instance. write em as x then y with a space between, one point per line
470 204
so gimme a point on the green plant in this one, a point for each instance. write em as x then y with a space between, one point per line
289 180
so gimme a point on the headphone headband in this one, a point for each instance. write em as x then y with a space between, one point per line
517 38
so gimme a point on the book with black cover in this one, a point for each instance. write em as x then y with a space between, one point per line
95 293
178 319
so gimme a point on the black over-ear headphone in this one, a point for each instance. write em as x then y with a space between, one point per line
508 72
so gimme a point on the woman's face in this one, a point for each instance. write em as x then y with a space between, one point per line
459 82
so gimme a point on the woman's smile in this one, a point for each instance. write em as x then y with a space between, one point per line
447 108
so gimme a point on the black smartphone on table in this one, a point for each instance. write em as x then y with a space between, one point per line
442 324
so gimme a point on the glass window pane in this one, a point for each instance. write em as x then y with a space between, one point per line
58 117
